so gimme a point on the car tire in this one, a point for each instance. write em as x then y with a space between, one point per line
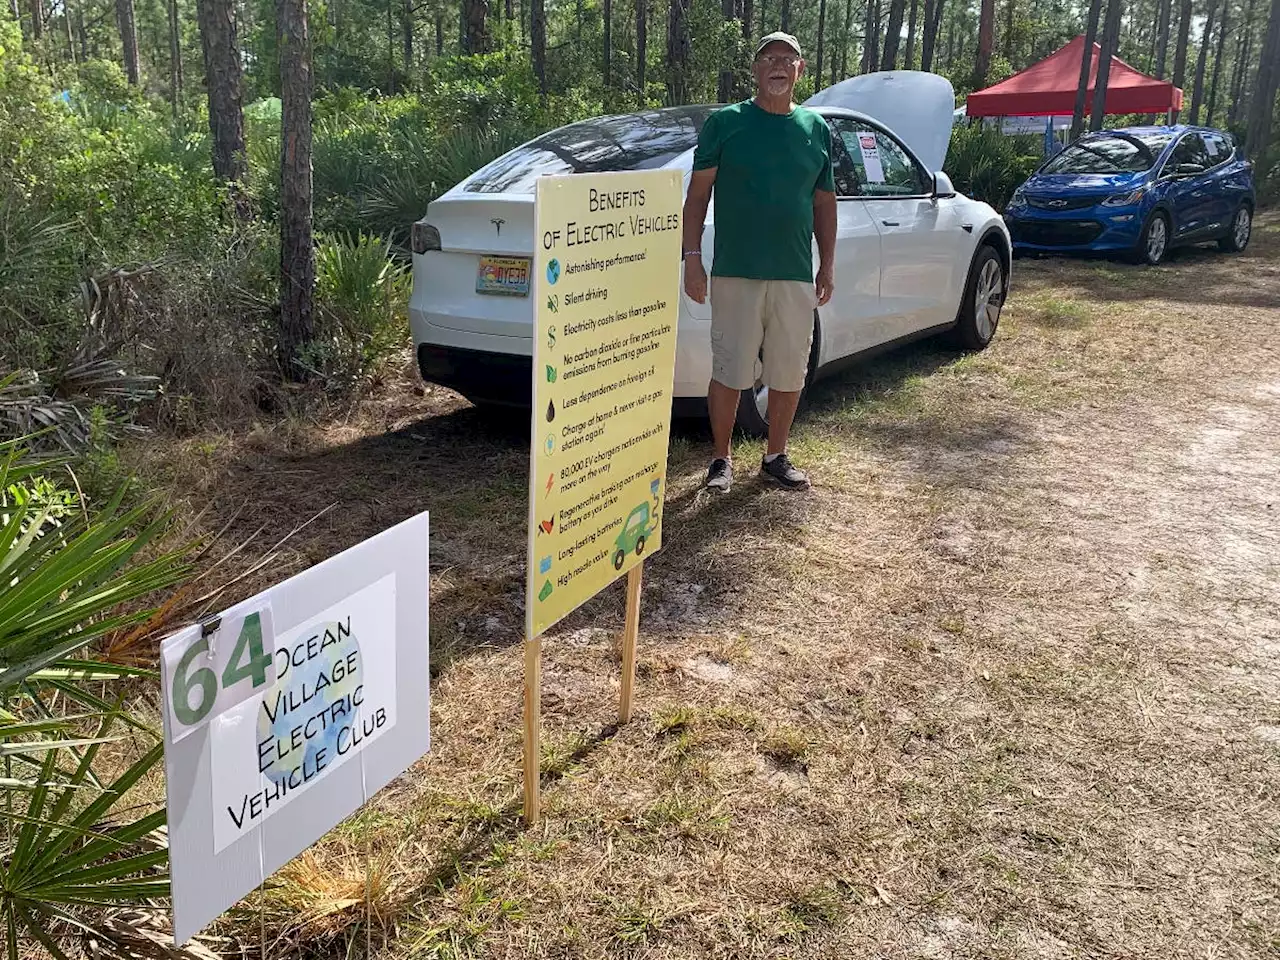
640 546
619 558
984 294
1238 236
752 419
1153 242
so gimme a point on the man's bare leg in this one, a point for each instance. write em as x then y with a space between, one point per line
782 410
722 410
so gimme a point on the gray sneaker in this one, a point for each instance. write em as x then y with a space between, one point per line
720 476
784 472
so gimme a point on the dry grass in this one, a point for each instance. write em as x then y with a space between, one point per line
1003 685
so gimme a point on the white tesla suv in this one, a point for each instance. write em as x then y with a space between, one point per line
913 257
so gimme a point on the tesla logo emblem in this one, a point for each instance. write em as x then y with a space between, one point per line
1057 203
497 224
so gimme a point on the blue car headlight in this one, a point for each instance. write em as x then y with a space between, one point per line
1018 199
1125 199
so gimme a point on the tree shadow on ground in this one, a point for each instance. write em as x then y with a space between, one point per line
1201 275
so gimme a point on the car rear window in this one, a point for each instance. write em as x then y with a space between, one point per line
637 141
1113 153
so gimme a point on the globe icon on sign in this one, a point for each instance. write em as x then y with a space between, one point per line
553 272
305 697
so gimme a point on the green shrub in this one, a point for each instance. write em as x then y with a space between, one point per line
987 165
362 297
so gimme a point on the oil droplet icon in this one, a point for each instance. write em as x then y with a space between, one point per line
551 410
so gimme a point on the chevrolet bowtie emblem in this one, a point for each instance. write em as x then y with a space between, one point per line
497 224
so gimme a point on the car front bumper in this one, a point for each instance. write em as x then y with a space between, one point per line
1095 229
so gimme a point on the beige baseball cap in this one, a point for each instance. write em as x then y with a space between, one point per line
779 37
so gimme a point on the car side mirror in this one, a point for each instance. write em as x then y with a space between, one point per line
942 186
1188 169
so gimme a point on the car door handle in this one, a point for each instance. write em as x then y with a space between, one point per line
891 223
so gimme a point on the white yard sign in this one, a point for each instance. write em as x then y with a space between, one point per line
312 696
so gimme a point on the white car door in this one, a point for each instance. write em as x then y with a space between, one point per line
853 320
920 235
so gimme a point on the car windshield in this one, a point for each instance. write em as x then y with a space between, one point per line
1110 153
637 141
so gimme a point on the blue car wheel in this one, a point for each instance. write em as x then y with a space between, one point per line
1153 242
1237 237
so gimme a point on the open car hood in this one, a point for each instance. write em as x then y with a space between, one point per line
919 107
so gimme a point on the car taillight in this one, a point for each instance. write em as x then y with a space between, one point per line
425 237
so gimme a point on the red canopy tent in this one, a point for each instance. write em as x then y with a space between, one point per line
1048 88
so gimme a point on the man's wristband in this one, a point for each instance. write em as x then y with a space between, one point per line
690 253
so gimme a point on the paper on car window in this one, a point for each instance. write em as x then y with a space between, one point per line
871 157
1211 144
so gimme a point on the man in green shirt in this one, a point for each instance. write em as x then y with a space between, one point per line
770 164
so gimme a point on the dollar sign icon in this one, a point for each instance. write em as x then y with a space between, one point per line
551 337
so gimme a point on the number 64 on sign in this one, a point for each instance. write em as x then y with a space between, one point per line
208 670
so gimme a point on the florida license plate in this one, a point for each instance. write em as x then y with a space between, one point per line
504 276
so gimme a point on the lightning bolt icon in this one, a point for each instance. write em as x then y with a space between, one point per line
550 480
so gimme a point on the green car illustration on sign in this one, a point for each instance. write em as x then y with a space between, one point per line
633 534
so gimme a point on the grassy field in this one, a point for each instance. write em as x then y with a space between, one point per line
1004 684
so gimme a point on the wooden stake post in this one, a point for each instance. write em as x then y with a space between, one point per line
533 695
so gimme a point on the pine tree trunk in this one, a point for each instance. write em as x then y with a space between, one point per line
66 22
839 37
297 249
784 20
406 27
848 31
748 12
870 55
909 63
222 79
475 18
37 19
608 45
1163 10
677 52
1224 27
929 35
439 34
951 40
1008 30
1180 52
642 46
1197 90
986 37
764 13
1244 48
1263 102
175 58
1086 63
129 39
82 35
1110 40
893 35
14 11
822 24
538 40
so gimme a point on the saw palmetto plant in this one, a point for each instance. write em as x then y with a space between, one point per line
73 841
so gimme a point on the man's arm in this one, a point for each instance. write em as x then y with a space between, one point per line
824 228
695 217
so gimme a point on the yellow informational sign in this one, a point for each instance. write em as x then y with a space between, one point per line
606 283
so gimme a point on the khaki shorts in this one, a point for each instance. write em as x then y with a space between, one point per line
749 314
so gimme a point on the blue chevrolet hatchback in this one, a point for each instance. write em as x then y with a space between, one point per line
1139 192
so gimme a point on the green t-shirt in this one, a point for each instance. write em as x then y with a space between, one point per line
769 166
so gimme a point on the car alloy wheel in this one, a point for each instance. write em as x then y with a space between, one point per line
988 298
1242 228
1157 239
